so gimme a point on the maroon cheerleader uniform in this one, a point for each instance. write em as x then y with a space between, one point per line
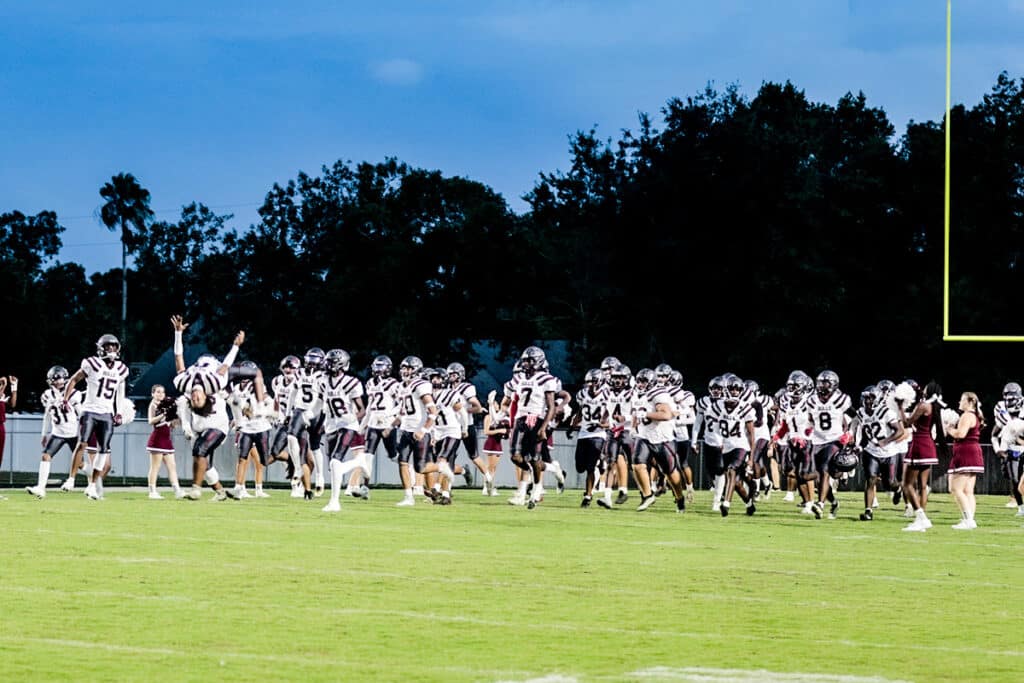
492 444
922 451
967 457
160 440
3 429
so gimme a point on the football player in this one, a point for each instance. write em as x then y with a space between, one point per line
60 425
105 377
251 419
736 418
417 416
471 407
763 405
1010 408
878 430
380 422
620 436
342 397
305 425
590 419
653 418
790 439
707 438
448 432
535 408
686 414
827 410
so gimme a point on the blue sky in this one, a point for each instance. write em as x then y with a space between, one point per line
215 101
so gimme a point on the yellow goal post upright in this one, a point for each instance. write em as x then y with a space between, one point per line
946 336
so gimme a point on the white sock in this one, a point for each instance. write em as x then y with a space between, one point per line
294 452
488 477
556 469
623 489
318 461
337 476
99 487
919 513
969 516
44 473
408 493
259 488
523 483
689 487
719 486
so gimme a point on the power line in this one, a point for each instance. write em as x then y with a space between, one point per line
164 211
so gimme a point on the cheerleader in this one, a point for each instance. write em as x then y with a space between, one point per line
163 415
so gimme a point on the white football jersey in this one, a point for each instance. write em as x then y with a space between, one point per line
62 419
793 414
304 393
881 424
381 402
339 396
448 425
410 404
686 413
258 421
592 413
827 416
103 383
706 412
654 431
732 424
761 429
217 419
619 406
531 393
1011 438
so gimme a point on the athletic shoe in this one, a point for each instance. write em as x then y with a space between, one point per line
364 492
645 502
908 512
179 494
751 509
531 504
916 525
897 495
716 506
260 493
867 515
724 509
689 496
832 509
297 491
622 498
560 485
660 491
432 494
333 506
445 500
1011 504
231 493
817 509
308 495
153 495
220 495
468 476
1020 511
927 523
194 493
408 501
788 497
90 492
516 500
806 508
486 489
604 503
318 491
585 503
36 491
349 491
243 494
874 503
963 525
681 505
494 490
68 485
417 490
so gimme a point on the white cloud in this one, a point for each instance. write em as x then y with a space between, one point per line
397 71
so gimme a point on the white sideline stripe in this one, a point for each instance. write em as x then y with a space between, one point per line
697 673
551 678
306 659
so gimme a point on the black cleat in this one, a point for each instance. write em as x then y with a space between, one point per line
530 504
308 495
867 515
431 494
832 509
645 502
681 505
622 498
897 495
604 503
724 509
660 491
751 509
817 509
444 500
560 486
586 502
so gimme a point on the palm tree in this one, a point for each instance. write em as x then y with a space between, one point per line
127 207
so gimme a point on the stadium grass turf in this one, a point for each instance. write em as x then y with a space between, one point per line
133 589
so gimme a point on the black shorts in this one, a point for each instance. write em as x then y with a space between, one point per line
682 454
207 442
377 436
801 461
883 468
761 453
620 445
260 441
529 440
99 426
419 453
712 456
735 459
470 442
447 448
339 443
316 432
823 454
279 443
55 443
1012 469
588 453
661 455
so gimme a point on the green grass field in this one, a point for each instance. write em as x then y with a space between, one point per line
133 589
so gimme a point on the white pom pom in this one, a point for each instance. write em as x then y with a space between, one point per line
950 418
126 410
905 393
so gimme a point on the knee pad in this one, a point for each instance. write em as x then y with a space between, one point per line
212 478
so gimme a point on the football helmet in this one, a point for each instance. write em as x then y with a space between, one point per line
337 361
381 366
645 378
846 460
753 387
609 364
886 386
620 376
663 373
826 382
108 347
57 376
410 367
207 361
593 378
716 387
314 359
734 388
869 397
676 379
795 383
438 377
1013 398
532 359
289 364
456 372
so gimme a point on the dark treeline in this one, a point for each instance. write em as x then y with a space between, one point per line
752 235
